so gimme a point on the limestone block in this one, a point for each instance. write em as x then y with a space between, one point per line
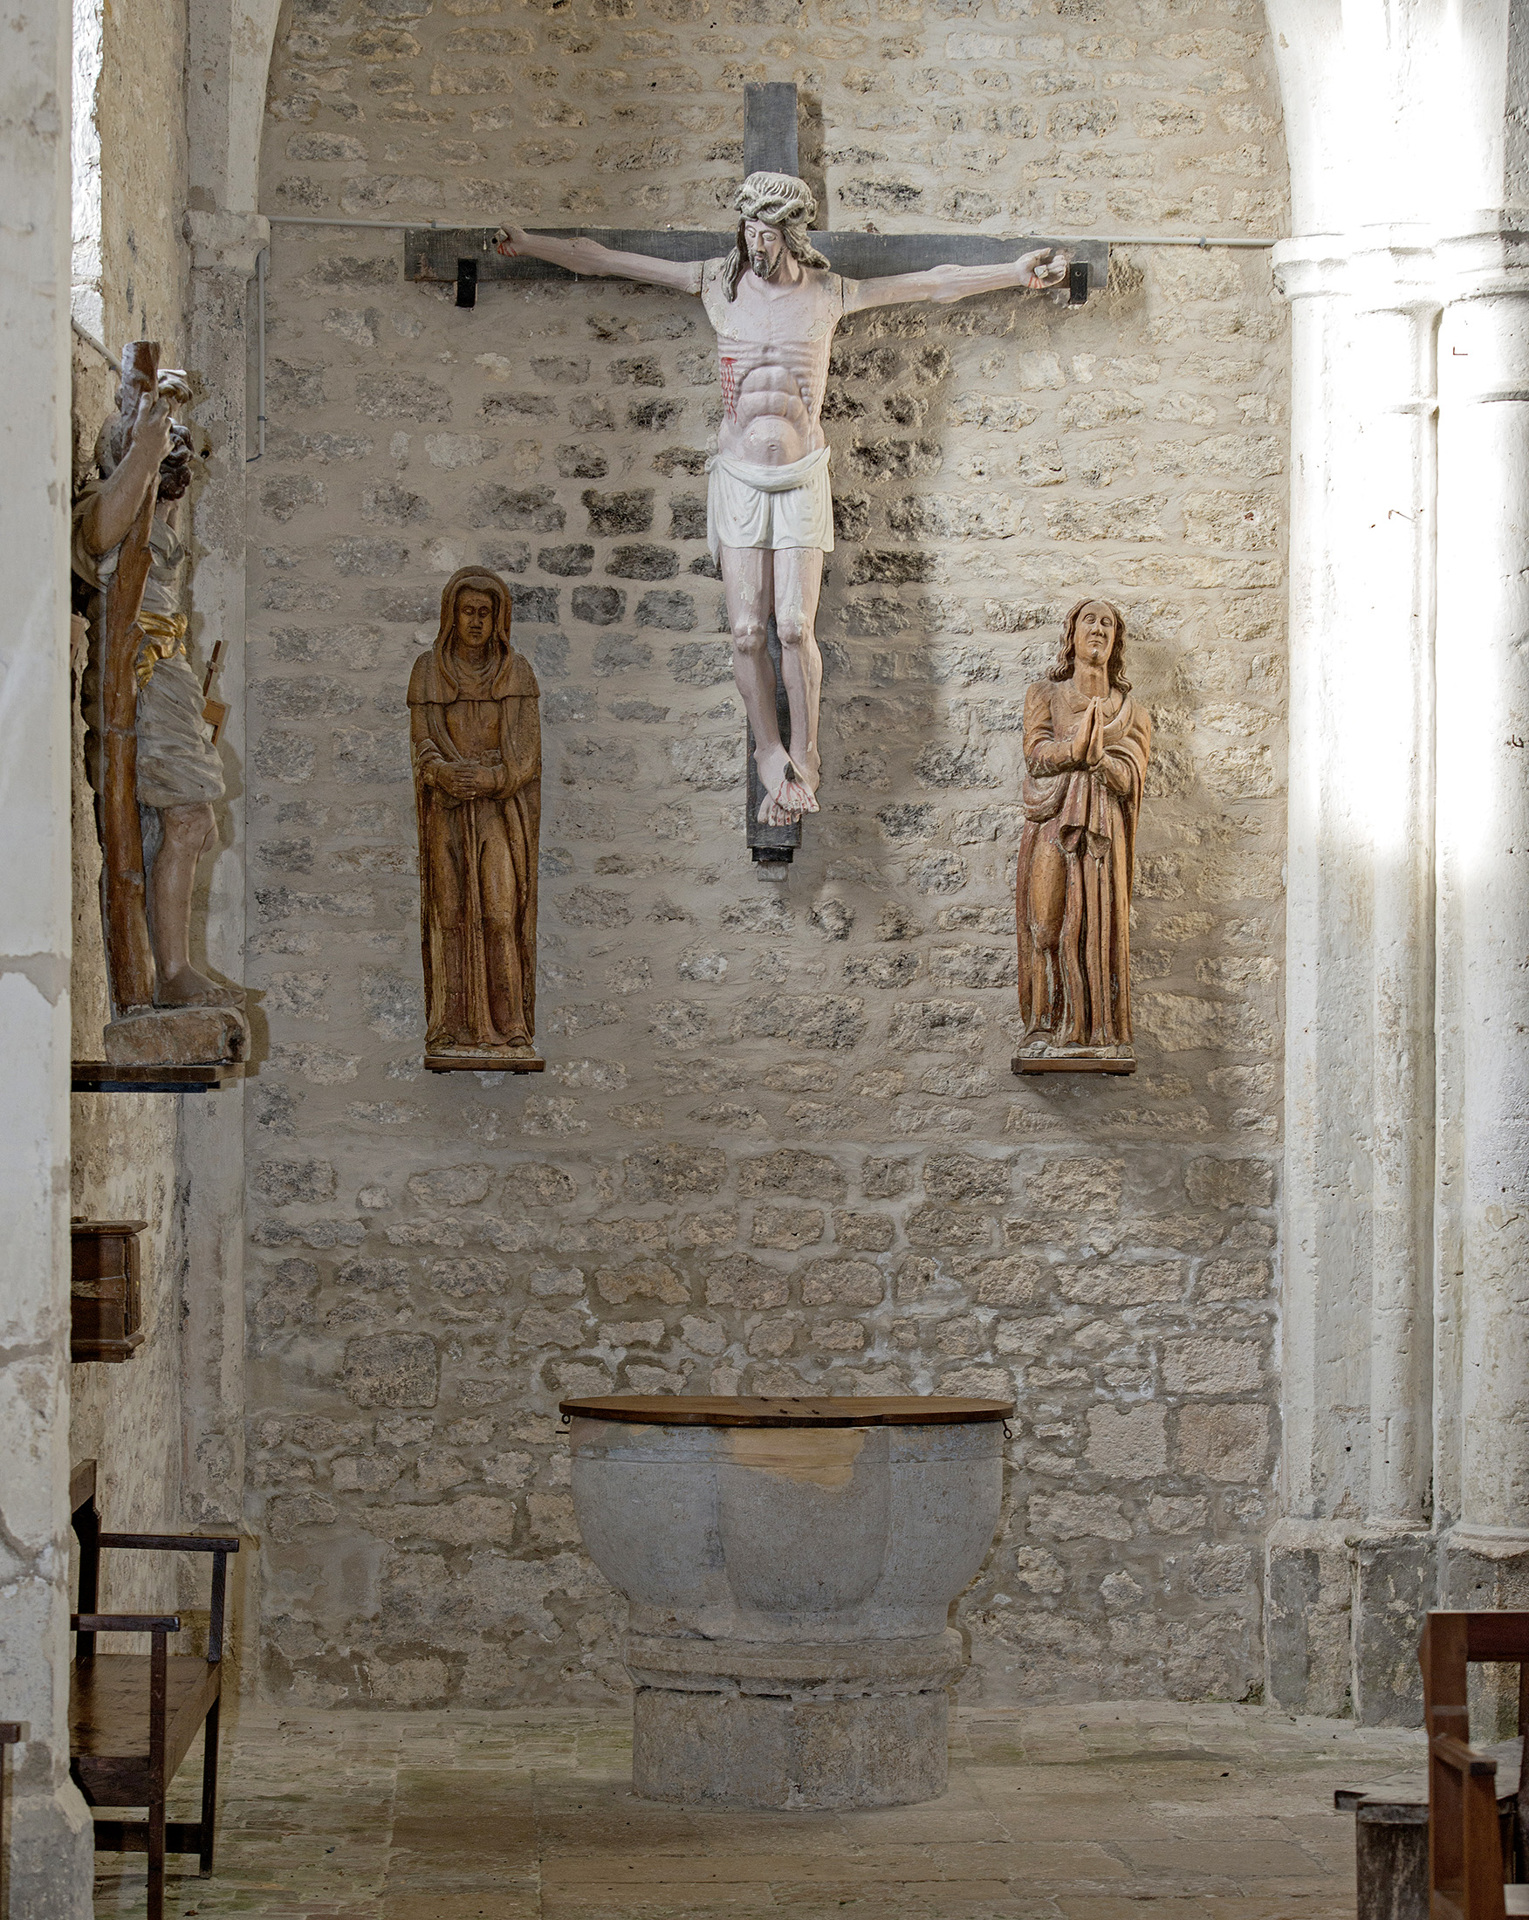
283 1182
1074 1516
1205 1365
850 1283
391 1370
815 1176
1128 1443
1224 1442
1213 1182
462 1186
787 1227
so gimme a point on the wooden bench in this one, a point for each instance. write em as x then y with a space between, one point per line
1470 1854
1391 1836
133 1717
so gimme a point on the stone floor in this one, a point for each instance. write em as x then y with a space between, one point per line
1053 1813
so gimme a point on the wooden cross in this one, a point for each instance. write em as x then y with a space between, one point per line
465 256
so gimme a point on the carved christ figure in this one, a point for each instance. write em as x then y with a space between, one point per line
475 739
1087 742
775 303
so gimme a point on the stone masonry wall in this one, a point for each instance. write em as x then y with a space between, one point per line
778 1145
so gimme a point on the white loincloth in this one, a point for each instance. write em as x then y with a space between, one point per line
752 506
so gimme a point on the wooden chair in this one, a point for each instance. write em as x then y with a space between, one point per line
133 1717
1471 1849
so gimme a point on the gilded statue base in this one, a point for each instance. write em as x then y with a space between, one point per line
484 1060
1044 1055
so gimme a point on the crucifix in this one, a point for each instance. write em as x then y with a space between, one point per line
774 292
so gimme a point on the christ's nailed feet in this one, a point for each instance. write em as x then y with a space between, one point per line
777 766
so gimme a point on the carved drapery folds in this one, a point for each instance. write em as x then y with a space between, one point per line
1087 741
475 738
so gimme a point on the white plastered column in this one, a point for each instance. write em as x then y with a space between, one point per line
1357 1455
1352 1560
51 1861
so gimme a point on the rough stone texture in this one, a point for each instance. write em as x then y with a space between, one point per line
778 1146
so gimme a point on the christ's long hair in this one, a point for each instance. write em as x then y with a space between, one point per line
1067 658
499 650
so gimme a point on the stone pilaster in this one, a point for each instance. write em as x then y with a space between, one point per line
50 1863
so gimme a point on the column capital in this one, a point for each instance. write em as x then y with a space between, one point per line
226 242
1379 268
1394 269
1307 266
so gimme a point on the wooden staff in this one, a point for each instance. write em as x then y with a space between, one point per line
129 955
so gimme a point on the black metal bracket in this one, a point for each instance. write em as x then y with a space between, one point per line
105 1076
467 282
1077 284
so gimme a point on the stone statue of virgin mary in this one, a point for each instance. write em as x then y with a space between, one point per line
475 739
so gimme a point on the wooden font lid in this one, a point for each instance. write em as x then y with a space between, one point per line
829 1410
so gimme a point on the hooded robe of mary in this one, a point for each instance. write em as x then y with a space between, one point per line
477 707
1080 996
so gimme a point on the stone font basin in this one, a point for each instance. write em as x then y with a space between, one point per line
789 1567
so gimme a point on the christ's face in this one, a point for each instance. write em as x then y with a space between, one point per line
475 618
1094 635
766 249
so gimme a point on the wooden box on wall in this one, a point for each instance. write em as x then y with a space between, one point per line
105 1300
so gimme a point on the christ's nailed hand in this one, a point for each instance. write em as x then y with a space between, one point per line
510 241
152 427
1045 267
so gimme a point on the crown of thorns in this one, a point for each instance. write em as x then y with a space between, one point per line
776 199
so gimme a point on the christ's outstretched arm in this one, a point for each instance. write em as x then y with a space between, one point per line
589 257
1037 272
